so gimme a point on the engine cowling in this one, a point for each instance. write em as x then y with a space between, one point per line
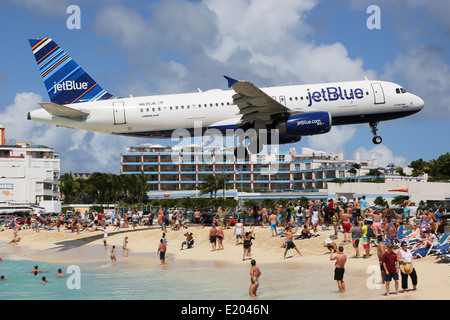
284 139
306 124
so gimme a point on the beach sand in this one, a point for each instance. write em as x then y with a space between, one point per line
69 247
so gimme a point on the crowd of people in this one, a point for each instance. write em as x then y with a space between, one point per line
357 221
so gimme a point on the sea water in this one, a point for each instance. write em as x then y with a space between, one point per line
119 281
178 280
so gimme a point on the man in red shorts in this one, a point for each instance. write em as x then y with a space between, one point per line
346 225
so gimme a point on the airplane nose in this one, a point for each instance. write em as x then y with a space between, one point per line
419 103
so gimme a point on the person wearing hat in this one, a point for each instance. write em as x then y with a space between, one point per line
405 258
389 261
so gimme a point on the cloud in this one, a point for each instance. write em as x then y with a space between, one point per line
427 75
383 155
177 46
44 7
334 141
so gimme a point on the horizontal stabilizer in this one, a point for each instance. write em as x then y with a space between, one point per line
62 111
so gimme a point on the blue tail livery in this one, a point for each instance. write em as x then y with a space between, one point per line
66 82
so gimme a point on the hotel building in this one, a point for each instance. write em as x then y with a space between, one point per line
172 169
28 174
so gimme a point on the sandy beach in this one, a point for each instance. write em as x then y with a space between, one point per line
70 247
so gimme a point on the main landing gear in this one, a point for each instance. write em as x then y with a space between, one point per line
376 139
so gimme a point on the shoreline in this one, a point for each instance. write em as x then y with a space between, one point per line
87 247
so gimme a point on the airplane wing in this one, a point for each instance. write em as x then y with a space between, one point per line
254 104
61 111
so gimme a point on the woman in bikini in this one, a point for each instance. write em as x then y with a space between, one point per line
220 237
125 246
255 273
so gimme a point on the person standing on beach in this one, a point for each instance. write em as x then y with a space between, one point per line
390 265
248 244
289 241
197 216
264 216
164 222
255 273
213 237
238 231
356 236
105 236
405 258
273 223
366 239
125 246
220 238
162 252
341 259
380 252
346 225
113 254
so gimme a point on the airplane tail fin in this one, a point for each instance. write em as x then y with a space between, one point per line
65 80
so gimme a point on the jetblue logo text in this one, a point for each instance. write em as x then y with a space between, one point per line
70 85
333 94
308 122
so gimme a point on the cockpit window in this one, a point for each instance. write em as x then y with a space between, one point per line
397 90
403 90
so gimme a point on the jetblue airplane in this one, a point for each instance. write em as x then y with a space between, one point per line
79 102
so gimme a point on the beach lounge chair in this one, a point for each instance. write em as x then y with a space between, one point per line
404 235
442 245
421 253
425 251
411 235
445 256
400 231
441 249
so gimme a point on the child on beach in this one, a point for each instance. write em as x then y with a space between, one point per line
113 254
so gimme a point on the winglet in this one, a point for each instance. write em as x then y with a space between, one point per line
231 81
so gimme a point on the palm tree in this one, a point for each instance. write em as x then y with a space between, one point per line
68 186
223 184
210 184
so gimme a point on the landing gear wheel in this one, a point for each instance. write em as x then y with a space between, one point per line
377 140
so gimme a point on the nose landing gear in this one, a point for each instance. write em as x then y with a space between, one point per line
376 139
